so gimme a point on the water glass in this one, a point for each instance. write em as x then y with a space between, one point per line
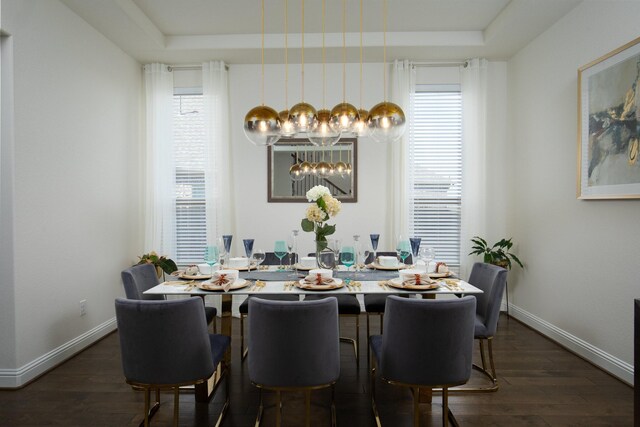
248 250
427 255
403 250
348 257
211 256
415 248
258 256
280 250
375 238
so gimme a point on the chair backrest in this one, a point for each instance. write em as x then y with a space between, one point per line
293 343
164 342
428 342
492 280
138 279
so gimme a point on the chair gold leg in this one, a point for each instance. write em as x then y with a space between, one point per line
372 377
484 362
333 405
493 368
147 397
176 405
357 343
445 407
278 409
491 376
368 349
416 406
260 411
243 351
307 408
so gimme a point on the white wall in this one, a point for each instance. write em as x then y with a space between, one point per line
75 205
581 256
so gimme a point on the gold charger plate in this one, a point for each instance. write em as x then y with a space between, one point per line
397 283
377 266
440 275
196 277
208 286
338 283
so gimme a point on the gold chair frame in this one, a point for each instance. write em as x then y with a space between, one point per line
307 401
491 375
221 373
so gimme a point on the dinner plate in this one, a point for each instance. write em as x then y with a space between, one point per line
337 284
243 268
208 286
196 277
304 267
397 283
384 267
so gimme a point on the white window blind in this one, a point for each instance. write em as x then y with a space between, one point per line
435 171
189 143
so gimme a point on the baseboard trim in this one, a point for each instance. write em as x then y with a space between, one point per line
16 378
616 367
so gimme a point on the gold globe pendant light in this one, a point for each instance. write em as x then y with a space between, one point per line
360 128
286 127
340 168
322 134
323 169
386 121
262 123
344 115
302 115
295 171
305 166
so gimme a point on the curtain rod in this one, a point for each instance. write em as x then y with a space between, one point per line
439 64
191 67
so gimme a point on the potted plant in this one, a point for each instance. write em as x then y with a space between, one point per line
162 263
497 254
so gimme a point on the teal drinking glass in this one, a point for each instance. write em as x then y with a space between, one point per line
348 257
403 250
280 250
211 256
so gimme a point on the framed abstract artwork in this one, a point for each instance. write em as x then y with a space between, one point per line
609 125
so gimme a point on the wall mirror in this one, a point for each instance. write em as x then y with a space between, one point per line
290 151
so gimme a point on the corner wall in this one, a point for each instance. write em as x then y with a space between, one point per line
581 256
75 169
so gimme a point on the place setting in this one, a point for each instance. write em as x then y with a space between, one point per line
412 279
319 280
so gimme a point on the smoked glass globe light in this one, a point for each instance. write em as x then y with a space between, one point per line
305 167
323 169
262 126
360 127
343 116
295 172
303 117
286 127
386 122
340 168
322 134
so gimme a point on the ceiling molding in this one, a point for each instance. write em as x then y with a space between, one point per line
141 20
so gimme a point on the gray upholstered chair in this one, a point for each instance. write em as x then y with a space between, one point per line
270 259
437 354
158 354
492 280
139 278
294 346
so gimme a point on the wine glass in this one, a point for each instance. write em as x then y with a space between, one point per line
334 246
248 250
258 256
348 258
221 249
227 238
292 245
415 248
427 255
375 238
280 250
211 256
403 249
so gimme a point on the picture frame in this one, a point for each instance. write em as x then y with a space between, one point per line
609 125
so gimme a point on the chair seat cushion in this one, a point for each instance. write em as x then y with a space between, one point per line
219 344
375 342
244 307
347 304
210 313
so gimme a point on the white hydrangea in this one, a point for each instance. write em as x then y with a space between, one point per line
317 192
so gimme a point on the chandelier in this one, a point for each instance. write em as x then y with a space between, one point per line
384 122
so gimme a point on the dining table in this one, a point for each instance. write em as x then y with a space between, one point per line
273 281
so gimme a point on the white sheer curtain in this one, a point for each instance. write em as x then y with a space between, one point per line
473 82
218 174
403 88
159 209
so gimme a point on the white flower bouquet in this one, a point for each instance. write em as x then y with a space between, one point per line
324 207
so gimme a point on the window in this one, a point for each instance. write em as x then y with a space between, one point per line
435 172
189 145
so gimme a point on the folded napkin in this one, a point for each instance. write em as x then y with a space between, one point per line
223 281
418 279
318 280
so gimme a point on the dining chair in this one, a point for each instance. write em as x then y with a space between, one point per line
270 259
492 280
166 345
436 354
294 347
142 277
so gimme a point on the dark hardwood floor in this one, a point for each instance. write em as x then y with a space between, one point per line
541 384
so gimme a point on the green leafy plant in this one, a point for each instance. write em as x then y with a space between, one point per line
166 264
497 254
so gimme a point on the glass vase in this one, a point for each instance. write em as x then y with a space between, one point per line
325 258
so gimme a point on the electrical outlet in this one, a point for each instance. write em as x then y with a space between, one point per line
83 307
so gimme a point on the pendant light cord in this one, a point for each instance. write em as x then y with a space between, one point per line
323 57
302 57
286 56
262 56
344 51
384 48
361 105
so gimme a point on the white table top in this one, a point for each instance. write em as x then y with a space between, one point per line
278 287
